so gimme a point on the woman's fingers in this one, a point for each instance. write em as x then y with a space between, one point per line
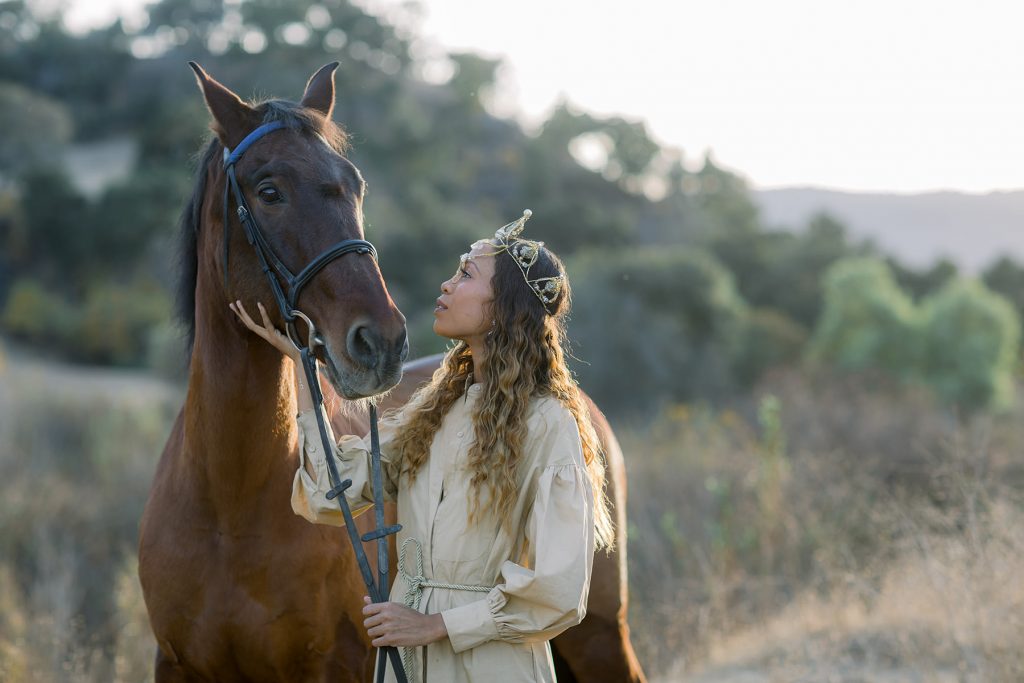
373 620
239 309
263 313
267 330
241 313
262 330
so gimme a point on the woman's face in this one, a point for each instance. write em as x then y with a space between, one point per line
464 307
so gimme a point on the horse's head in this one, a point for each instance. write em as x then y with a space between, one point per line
305 197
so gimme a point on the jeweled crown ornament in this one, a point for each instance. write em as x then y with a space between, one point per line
525 253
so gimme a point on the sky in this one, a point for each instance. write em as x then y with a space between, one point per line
873 95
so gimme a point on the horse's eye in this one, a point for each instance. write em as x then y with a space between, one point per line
269 194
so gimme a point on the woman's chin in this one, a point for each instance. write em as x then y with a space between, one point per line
440 331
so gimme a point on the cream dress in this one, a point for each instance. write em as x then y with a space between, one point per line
532 584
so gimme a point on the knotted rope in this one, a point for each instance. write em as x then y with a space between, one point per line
414 593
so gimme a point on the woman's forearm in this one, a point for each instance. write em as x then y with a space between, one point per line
304 395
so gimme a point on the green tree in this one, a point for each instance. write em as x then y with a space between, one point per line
972 345
654 324
130 215
725 200
867 321
56 218
782 270
769 339
921 283
1006 277
33 129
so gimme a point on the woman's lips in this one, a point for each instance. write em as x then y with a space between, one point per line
440 307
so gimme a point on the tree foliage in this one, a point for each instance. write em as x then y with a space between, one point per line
867 322
668 319
677 279
972 338
963 341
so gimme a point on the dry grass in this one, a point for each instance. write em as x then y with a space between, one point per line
77 451
838 531
949 609
881 546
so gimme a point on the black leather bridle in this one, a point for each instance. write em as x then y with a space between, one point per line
287 301
287 298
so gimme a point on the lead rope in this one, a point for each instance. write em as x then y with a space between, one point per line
414 593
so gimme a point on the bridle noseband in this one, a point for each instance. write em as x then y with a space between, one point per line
287 302
287 297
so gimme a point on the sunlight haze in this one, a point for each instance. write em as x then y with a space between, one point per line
869 96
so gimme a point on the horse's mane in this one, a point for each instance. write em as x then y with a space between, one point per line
295 117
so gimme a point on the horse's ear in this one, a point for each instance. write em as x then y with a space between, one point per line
320 90
233 118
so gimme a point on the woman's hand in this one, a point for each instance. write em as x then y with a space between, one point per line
278 339
390 623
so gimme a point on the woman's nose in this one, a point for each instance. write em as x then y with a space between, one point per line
446 286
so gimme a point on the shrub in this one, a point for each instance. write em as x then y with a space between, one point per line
972 340
34 314
868 322
665 319
116 320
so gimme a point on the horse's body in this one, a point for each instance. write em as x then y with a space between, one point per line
239 588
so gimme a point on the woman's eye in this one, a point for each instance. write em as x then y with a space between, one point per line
269 195
464 272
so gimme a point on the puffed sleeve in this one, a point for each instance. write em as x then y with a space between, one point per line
539 603
352 457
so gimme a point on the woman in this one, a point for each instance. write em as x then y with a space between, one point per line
495 469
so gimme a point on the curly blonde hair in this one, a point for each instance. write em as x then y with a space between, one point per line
525 360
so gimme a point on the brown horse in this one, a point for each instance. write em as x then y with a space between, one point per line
238 588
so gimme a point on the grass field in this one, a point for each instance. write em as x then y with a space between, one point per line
827 529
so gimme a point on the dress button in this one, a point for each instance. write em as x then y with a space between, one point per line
460 434
312 448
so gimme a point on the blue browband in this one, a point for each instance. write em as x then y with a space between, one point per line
232 156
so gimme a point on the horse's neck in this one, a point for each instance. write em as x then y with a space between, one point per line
240 427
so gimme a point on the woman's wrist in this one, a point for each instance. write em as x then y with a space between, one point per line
440 631
304 397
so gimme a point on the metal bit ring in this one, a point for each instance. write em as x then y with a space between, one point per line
314 340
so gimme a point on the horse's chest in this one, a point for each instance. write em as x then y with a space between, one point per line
236 602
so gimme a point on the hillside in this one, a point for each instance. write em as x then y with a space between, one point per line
971 230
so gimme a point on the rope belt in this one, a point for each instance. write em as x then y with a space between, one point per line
414 593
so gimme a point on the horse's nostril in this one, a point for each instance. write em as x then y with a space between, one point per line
363 343
405 346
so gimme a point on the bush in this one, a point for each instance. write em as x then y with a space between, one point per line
868 322
972 345
665 319
33 314
116 321
113 326
770 339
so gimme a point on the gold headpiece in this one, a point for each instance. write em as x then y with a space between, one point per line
525 253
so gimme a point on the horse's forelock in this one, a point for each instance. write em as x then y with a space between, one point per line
301 118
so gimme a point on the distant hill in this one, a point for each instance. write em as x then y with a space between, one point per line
971 230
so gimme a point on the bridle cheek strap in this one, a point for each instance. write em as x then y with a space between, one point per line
276 271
